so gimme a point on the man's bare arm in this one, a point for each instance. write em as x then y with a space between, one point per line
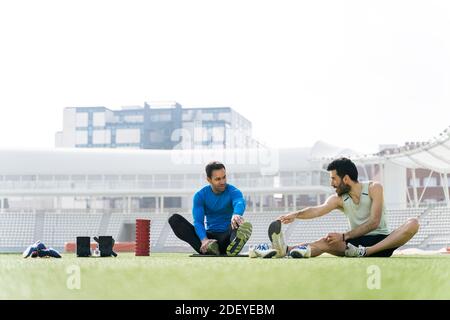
333 202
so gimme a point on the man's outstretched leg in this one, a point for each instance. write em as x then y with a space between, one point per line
316 248
304 250
386 247
185 231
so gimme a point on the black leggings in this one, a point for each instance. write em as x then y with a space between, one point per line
185 231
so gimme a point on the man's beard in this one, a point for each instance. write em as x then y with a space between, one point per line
342 188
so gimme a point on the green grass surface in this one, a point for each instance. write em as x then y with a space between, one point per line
178 276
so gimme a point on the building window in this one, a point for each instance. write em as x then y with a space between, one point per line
79 177
45 178
12 178
81 137
411 182
99 119
161 117
62 178
128 136
29 178
315 178
95 177
225 116
161 181
111 178
302 178
102 136
207 116
157 136
430 182
188 115
325 178
134 118
82 119
218 134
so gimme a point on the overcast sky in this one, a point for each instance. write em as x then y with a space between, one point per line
352 73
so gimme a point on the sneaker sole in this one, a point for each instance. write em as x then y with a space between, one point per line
296 255
275 237
27 252
242 235
213 249
270 255
274 228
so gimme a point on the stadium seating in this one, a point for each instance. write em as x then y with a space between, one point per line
60 228
172 242
16 230
19 229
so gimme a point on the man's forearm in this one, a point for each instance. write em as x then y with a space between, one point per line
306 213
200 231
361 230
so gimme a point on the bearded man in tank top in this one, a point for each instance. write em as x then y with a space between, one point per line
363 205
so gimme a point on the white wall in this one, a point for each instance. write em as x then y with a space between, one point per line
394 184
59 139
66 138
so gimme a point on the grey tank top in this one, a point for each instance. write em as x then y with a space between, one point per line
357 214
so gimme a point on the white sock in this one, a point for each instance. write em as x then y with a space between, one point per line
308 250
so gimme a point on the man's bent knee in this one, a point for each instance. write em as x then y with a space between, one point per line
413 225
174 219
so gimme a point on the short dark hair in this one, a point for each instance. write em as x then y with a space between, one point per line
344 166
214 165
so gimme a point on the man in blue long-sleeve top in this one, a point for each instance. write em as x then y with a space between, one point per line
219 227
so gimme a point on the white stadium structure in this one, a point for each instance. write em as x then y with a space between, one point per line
56 195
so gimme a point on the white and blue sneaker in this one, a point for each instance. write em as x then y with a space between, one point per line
262 250
355 252
34 248
277 239
300 252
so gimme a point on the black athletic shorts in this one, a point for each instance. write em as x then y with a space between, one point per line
370 240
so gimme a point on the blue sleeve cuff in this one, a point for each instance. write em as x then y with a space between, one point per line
200 231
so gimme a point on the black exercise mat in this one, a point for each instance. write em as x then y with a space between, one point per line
221 256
